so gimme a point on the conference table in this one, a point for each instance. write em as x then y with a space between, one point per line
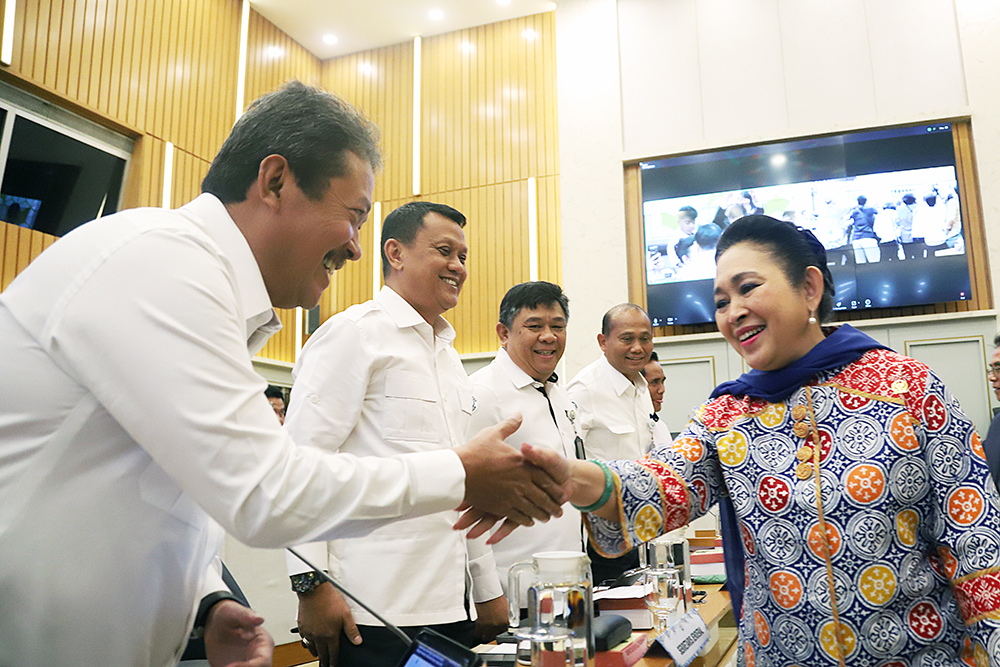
717 612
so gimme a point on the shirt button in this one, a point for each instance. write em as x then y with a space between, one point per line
804 470
313 398
801 429
805 453
799 412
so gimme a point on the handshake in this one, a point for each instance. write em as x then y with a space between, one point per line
516 486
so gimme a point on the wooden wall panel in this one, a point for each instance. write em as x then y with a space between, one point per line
18 246
488 123
144 186
274 58
281 346
549 230
189 170
489 104
380 83
166 68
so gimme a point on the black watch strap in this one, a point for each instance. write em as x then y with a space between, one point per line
306 582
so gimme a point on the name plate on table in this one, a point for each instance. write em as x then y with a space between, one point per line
685 638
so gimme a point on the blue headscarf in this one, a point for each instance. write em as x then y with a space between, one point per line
842 347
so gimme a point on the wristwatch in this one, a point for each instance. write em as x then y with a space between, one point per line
306 582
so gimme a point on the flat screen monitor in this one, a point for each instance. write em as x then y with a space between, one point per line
885 203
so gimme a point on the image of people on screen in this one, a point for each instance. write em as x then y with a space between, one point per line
19 211
875 218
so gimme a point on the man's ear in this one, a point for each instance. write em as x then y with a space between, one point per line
602 340
272 175
503 333
394 253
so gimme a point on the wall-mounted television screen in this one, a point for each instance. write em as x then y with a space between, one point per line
885 203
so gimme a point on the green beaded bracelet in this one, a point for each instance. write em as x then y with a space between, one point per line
609 485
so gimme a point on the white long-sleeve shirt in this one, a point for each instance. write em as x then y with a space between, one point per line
378 380
132 424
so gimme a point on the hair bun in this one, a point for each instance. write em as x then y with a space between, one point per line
814 244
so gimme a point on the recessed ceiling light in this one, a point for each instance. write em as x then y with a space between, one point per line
468 47
503 2
330 39
366 68
275 51
436 14
529 34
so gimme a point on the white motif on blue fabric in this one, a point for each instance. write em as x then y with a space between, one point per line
793 637
869 534
780 542
883 634
908 479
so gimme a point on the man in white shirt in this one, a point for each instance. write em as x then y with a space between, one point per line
522 378
613 405
381 379
134 429
655 378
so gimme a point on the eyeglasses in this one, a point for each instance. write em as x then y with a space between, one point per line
993 369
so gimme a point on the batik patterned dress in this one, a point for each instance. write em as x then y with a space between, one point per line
897 564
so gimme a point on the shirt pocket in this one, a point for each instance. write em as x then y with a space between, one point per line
411 403
621 429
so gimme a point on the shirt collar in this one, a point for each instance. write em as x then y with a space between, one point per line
517 376
405 315
619 382
211 215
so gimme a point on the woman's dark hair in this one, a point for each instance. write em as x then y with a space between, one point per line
795 248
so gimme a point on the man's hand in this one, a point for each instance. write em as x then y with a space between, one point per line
323 613
235 637
491 619
498 481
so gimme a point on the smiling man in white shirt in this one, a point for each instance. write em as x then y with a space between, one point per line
613 405
521 378
134 429
383 378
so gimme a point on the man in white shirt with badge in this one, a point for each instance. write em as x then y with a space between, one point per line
383 378
521 378
613 405
134 428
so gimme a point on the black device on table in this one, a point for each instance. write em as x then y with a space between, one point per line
427 649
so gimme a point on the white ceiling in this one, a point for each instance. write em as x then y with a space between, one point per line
366 24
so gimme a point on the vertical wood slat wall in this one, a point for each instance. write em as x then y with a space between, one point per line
168 70
488 112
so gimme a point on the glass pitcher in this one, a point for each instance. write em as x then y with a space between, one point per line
560 596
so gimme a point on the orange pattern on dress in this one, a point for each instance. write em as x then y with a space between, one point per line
762 628
965 505
901 432
865 483
815 540
689 448
786 589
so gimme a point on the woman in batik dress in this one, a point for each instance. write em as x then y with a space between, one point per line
870 525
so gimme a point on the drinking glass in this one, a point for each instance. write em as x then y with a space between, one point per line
663 594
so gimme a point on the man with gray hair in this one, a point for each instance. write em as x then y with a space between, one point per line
137 430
